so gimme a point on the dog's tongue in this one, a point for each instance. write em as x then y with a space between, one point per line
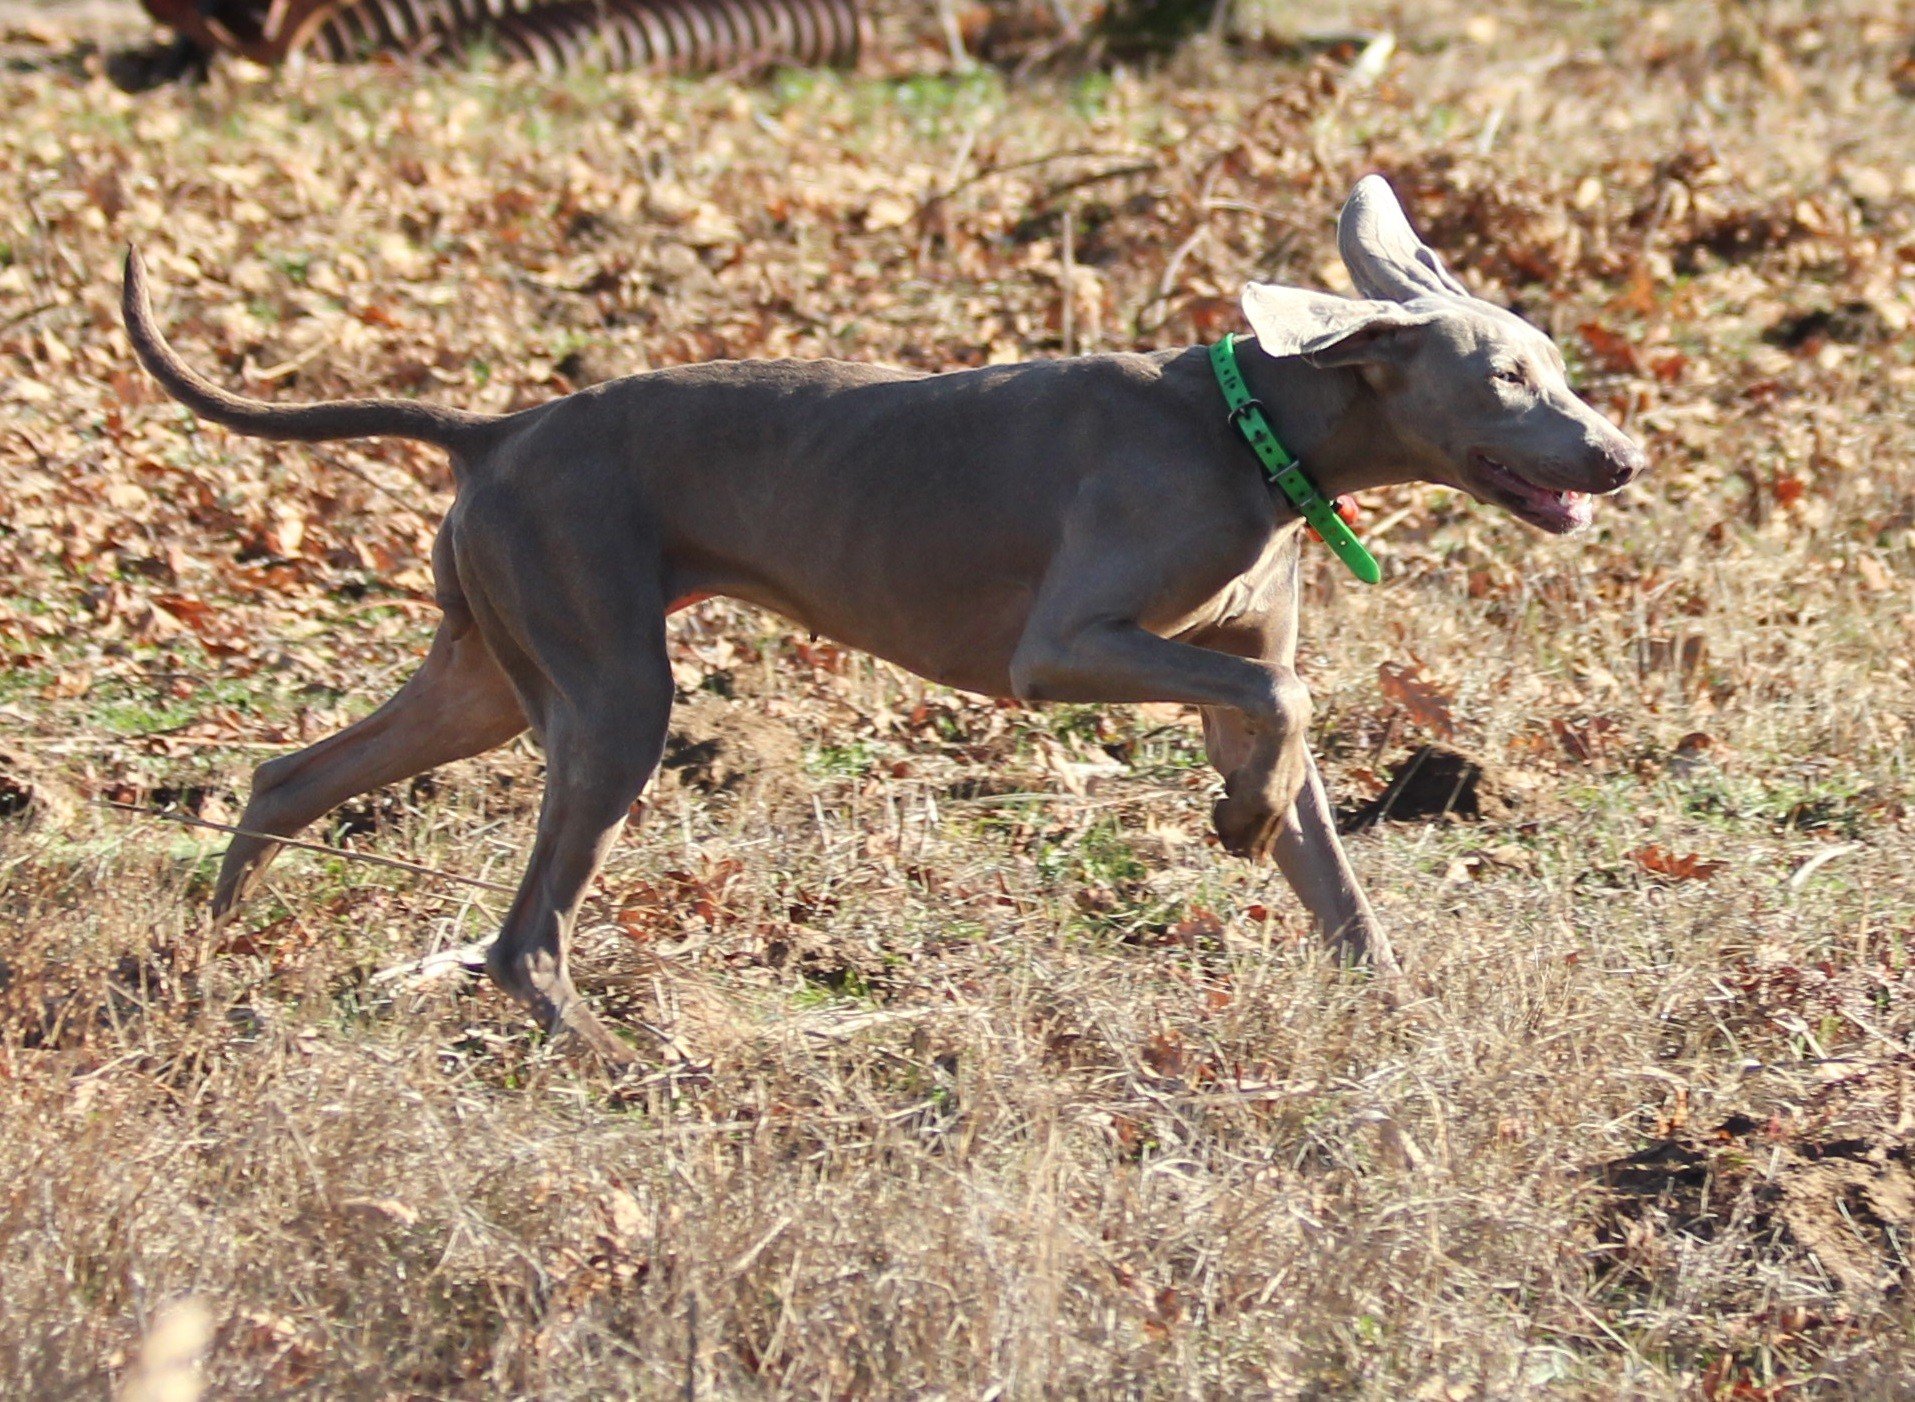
1579 508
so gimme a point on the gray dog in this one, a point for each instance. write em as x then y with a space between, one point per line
1113 528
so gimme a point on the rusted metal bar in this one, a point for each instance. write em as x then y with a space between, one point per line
680 36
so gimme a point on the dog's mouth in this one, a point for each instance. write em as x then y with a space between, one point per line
1554 511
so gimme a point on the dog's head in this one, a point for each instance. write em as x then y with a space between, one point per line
1477 394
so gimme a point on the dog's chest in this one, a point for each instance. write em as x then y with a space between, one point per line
1268 586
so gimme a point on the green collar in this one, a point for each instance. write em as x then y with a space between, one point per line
1247 414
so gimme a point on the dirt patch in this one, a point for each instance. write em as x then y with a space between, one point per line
1851 323
1438 782
32 793
16 793
1852 1213
725 747
1836 1180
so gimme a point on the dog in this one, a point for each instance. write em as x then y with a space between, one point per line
1095 529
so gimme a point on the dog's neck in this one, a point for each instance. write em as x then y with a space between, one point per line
1331 420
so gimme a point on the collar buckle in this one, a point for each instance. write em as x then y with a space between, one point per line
1237 411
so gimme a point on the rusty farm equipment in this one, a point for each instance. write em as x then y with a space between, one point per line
676 36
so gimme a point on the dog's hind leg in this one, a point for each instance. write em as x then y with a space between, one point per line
459 703
598 683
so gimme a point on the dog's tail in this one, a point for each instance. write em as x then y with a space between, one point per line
305 423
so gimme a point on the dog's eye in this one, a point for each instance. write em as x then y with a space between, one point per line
1511 375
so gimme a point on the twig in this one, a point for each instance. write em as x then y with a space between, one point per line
1369 65
1389 523
24 317
1487 140
691 1343
1001 800
465 958
967 144
1820 860
1077 153
372 859
954 38
398 498
743 1263
288 367
1275 216
1066 319
845 1028
1168 282
1078 182
68 745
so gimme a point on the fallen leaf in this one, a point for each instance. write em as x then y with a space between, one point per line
1410 689
1164 1054
1660 862
1199 926
1585 738
1613 352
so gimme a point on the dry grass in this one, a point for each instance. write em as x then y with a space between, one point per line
1002 1081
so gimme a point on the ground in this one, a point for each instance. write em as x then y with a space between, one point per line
972 1067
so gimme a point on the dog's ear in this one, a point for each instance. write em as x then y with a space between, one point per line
1383 253
1327 330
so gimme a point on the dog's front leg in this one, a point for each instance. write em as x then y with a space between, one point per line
1082 643
1302 837
1301 834
1269 708
1256 722
1313 861
1303 841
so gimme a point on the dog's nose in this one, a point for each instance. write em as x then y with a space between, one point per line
1625 461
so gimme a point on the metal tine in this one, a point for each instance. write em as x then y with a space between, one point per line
552 35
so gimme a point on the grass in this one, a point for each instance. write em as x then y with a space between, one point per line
975 1069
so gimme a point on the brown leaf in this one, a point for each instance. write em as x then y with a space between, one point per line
680 894
193 612
1410 689
1201 925
1614 353
1585 738
1211 317
1660 862
1164 1054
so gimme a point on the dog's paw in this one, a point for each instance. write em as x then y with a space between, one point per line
1245 829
